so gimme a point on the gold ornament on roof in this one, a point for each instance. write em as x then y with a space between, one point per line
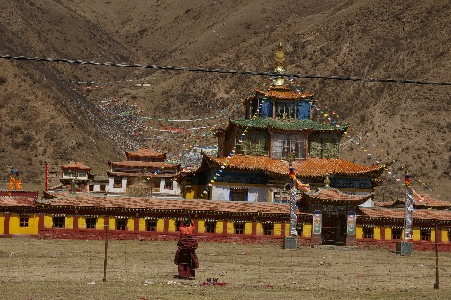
279 64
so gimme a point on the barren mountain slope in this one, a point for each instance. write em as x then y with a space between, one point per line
49 116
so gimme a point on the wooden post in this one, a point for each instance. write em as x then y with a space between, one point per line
106 253
436 285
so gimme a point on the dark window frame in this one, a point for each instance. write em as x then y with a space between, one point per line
91 222
239 228
210 226
24 221
121 224
151 225
59 222
368 232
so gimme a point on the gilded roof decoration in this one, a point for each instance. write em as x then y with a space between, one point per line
287 125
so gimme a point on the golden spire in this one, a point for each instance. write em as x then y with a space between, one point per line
279 64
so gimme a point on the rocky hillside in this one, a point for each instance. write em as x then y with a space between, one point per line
60 112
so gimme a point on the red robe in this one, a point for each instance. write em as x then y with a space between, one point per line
186 258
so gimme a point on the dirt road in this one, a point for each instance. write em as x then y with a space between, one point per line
66 269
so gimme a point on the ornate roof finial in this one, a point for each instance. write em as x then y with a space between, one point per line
327 182
279 64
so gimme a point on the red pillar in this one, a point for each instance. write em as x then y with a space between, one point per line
6 224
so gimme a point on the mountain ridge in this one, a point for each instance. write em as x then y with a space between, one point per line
49 115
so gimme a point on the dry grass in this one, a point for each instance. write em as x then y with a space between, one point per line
65 269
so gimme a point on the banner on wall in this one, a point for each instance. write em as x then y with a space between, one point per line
317 222
351 222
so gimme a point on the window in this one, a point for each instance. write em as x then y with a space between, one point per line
262 107
283 144
23 221
91 187
368 232
239 228
121 224
117 182
396 234
58 222
91 223
102 187
284 110
268 229
210 227
168 185
238 194
425 234
151 225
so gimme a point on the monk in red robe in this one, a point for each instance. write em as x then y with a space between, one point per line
185 257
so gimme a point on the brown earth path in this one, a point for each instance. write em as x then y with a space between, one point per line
67 269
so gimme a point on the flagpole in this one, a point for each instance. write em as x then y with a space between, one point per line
408 217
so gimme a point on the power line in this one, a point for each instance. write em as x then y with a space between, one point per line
253 73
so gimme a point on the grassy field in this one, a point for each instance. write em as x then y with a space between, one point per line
66 269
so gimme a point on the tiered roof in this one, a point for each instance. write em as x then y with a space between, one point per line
280 92
287 125
312 167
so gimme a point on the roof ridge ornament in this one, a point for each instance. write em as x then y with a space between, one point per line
279 65
327 182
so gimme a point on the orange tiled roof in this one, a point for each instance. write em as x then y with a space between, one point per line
312 167
142 164
334 196
418 214
419 201
160 204
17 201
279 92
427 201
144 152
76 166
144 175
388 203
252 163
319 167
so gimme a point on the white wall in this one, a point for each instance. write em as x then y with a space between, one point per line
112 189
258 194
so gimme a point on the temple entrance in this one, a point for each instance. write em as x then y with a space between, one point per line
333 230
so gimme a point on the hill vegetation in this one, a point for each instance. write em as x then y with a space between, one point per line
60 112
